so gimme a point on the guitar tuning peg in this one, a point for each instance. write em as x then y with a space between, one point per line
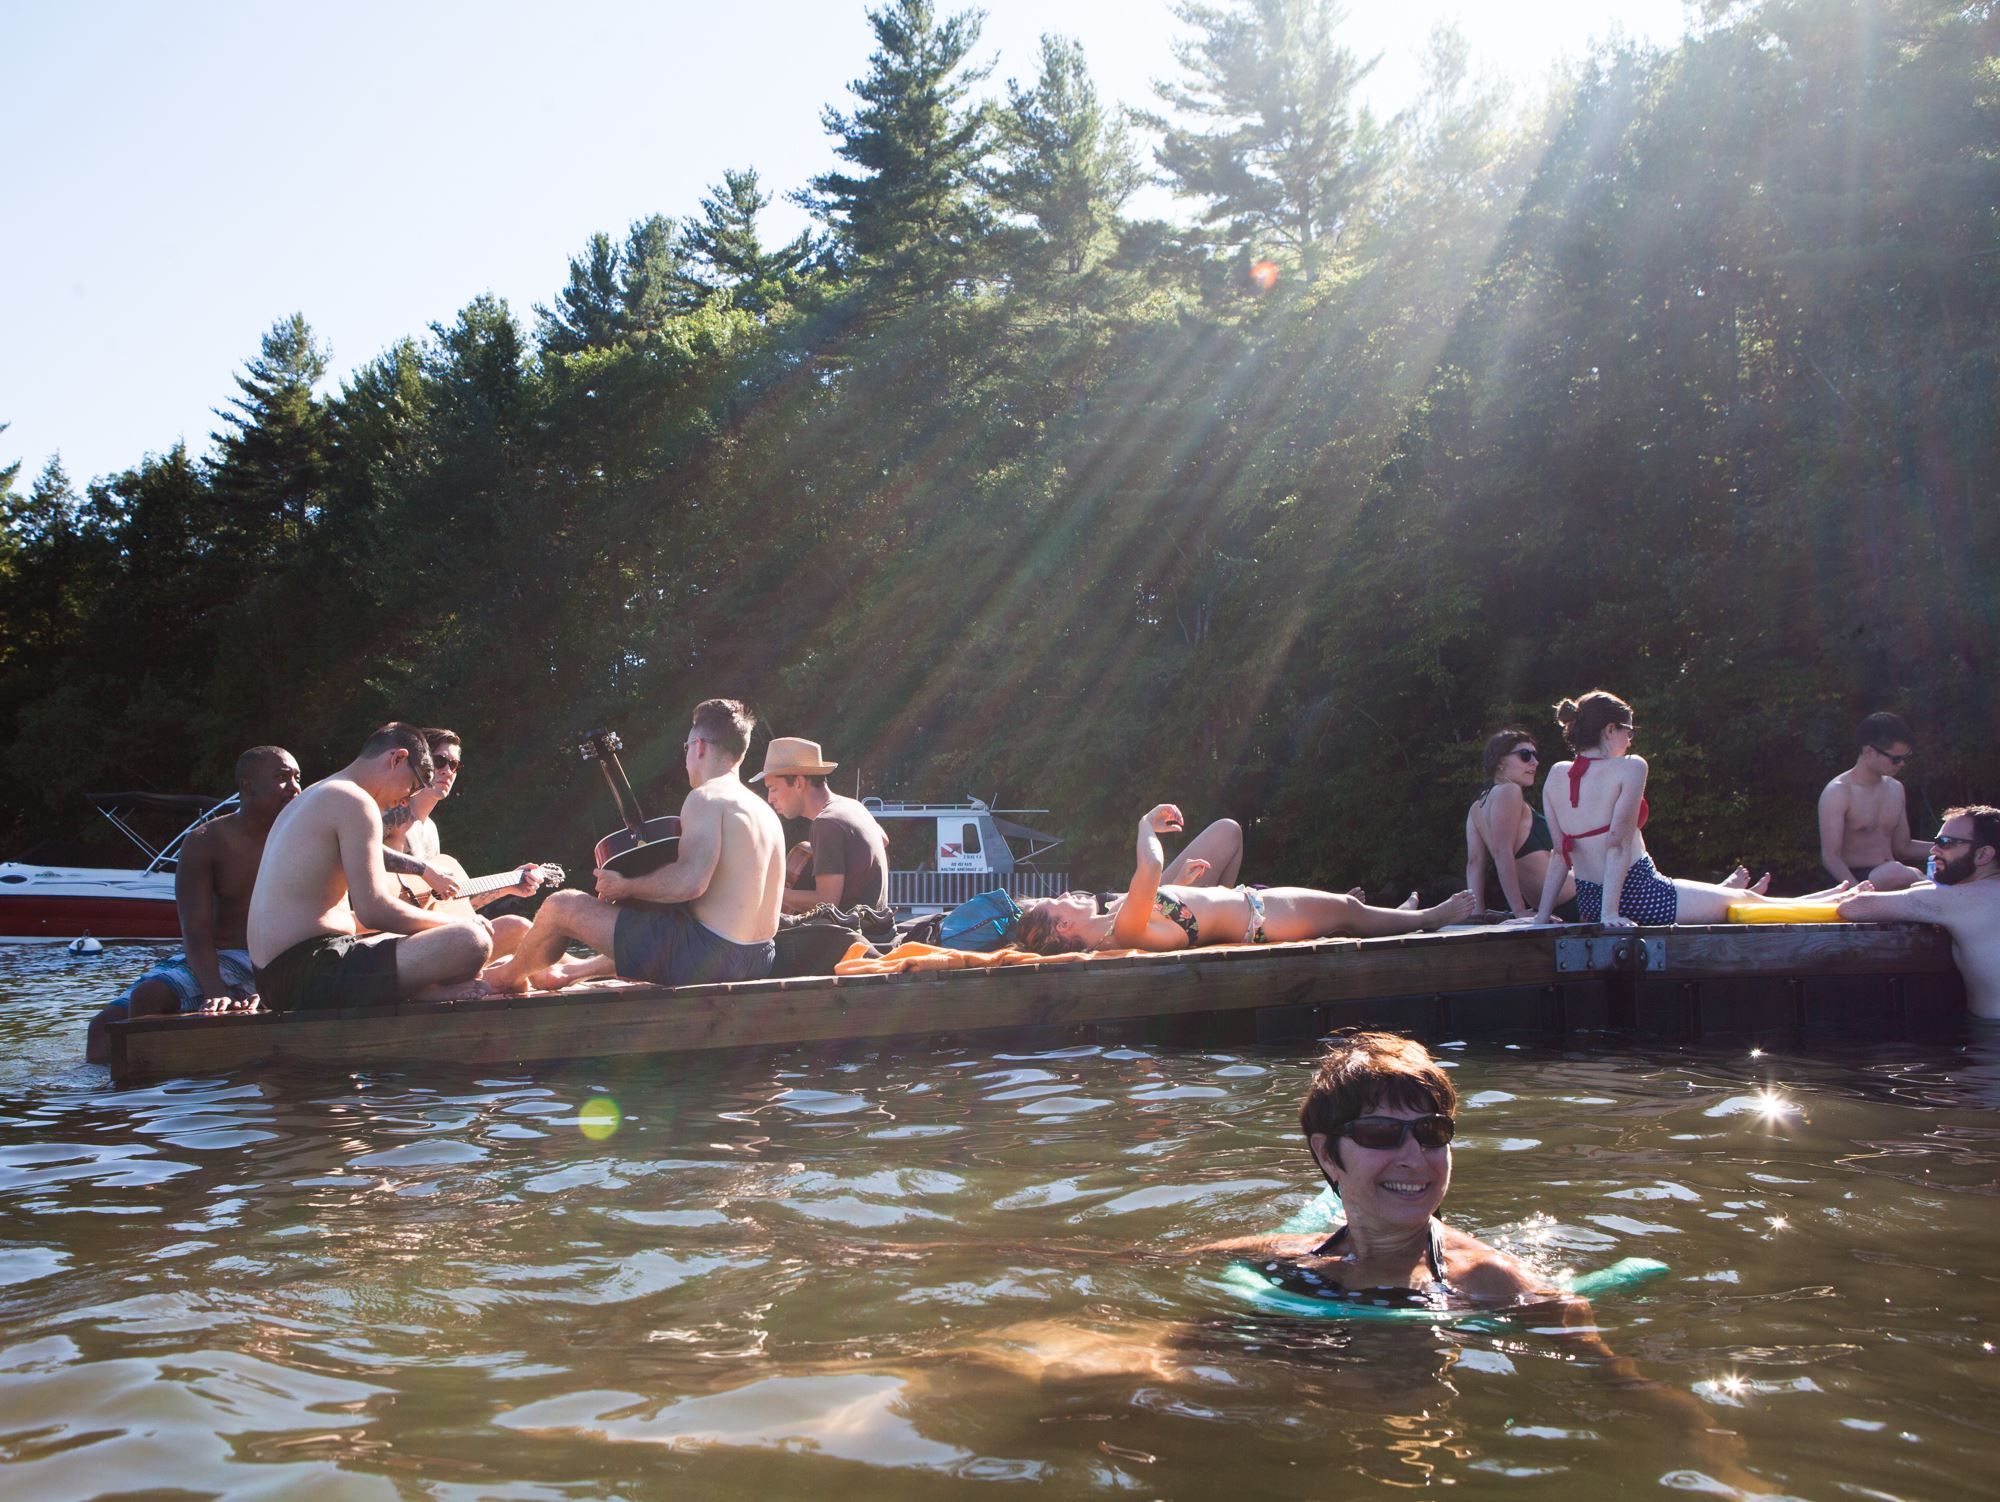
611 740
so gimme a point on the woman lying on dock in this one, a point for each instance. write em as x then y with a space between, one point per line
1503 824
1156 915
1596 806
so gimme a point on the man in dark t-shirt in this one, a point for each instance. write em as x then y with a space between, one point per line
850 858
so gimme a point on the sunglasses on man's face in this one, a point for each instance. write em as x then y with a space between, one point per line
1946 841
1893 760
1384 1133
446 763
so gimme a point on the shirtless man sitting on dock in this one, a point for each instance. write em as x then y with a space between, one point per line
323 871
708 916
213 879
1964 901
1864 818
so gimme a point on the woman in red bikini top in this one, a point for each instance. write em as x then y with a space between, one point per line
1596 806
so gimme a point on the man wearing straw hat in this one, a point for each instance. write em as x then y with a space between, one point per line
850 859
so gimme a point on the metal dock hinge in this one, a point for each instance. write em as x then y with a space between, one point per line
1606 953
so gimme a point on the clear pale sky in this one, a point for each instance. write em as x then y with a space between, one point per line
179 176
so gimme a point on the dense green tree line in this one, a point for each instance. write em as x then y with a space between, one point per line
1681 381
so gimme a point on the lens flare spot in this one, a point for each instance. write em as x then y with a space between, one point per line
1264 275
599 1118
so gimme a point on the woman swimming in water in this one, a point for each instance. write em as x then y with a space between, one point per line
1378 1121
1160 916
1596 806
1503 824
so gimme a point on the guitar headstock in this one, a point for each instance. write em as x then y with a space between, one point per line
598 744
551 875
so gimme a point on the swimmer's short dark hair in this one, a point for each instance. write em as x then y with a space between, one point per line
1365 1071
1039 933
1499 746
1883 729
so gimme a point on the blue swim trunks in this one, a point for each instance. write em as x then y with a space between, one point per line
670 947
238 974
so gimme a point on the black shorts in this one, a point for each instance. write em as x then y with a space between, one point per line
669 947
331 970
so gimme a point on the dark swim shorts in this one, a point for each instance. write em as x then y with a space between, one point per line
331 970
669 947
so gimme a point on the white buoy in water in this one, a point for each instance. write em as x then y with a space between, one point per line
85 944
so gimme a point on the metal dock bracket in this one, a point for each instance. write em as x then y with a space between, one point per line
1603 954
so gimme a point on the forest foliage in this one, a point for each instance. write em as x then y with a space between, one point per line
1680 380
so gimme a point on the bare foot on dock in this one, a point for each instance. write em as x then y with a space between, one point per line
1455 909
1359 894
1413 902
504 978
1740 879
570 971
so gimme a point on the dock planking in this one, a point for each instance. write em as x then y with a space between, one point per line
1761 981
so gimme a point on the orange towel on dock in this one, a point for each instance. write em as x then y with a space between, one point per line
910 959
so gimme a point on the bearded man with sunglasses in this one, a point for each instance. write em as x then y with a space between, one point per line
1962 898
1864 816
322 879
412 847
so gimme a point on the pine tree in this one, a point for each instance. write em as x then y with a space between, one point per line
909 214
1069 166
1286 156
724 238
271 467
589 311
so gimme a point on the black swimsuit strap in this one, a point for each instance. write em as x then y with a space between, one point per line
1433 1249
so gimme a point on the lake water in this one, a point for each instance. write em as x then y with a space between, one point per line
914 1272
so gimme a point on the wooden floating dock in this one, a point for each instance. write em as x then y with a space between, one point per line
1756 982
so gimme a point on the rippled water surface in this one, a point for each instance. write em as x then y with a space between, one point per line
916 1272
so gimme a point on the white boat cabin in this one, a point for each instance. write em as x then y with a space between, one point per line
940 854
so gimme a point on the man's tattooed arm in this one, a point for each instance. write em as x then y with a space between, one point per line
396 860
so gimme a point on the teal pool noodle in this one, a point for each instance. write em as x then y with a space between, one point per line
1243 1281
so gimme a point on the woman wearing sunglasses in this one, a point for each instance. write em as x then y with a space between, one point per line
1504 825
1156 915
1596 806
1378 1121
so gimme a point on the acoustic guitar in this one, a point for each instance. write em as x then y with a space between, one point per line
418 893
644 844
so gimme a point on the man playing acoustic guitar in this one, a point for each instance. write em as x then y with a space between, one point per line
411 847
707 916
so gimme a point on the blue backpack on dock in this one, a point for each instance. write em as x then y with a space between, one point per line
980 923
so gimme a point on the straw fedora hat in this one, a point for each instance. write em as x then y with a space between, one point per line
790 756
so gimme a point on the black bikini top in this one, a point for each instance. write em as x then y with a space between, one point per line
1296 1279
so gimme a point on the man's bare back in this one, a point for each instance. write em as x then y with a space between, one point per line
306 883
742 898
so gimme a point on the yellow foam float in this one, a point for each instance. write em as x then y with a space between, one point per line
1783 912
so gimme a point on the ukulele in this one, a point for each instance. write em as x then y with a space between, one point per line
419 894
643 844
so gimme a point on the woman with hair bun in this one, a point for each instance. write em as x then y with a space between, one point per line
1596 806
